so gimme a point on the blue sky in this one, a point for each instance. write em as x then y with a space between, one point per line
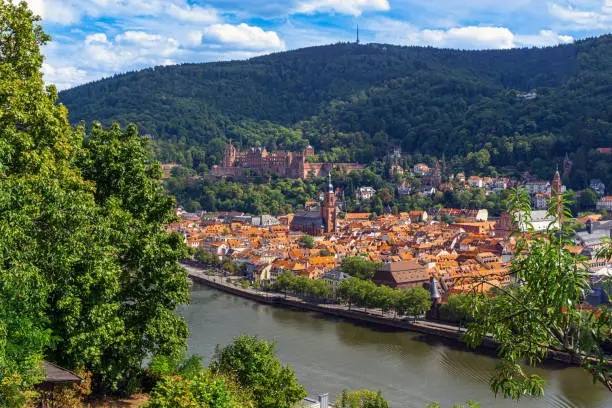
93 39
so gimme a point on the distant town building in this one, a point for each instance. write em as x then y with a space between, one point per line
538 187
593 238
539 220
605 203
540 201
401 275
364 193
167 169
264 221
475 181
526 96
598 186
420 169
418 216
433 177
404 189
334 277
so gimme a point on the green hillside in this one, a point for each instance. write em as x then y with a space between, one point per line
356 101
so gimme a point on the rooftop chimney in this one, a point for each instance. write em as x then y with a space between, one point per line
324 401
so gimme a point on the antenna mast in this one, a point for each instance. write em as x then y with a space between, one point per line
357 34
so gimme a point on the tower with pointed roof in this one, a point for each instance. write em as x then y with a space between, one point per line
328 209
567 166
556 184
436 299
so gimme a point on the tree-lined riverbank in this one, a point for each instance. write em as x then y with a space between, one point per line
368 316
329 354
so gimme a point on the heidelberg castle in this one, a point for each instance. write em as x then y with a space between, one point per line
240 163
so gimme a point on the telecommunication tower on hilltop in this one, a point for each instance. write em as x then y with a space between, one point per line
357 42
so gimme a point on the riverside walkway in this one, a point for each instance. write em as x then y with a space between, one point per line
370 316
373 317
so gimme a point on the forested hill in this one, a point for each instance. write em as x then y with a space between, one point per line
356 101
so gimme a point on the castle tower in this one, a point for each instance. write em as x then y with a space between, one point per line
328 209
309 151
230 155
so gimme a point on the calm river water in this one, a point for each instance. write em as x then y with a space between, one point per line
410 369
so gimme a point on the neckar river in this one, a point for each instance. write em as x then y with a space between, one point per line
410 369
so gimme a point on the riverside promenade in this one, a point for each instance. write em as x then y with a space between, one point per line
370 316
373 317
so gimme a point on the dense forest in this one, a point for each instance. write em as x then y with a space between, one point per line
357 101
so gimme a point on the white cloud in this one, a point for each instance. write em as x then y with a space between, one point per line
129 50
587 16
147 40
193 14
243 36
193 38
469 37
352 7
68 12
63 77
545 38
98 38
54 11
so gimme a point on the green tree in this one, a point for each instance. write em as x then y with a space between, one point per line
588 199
307 241
414 301
359 267
151 284
253 363
89 279
528 325
202 390
457 308
284 282
206 257
361 399
45 208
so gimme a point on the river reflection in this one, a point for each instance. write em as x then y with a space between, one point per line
330 354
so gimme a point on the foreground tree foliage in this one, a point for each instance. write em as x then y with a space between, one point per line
184 382
253 363
361 399
542 312
88 277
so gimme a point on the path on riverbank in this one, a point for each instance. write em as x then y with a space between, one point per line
370 316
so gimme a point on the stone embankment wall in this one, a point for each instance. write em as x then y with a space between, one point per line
425 327
353 315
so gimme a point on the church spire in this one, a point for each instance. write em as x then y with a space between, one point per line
556 183
330 187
